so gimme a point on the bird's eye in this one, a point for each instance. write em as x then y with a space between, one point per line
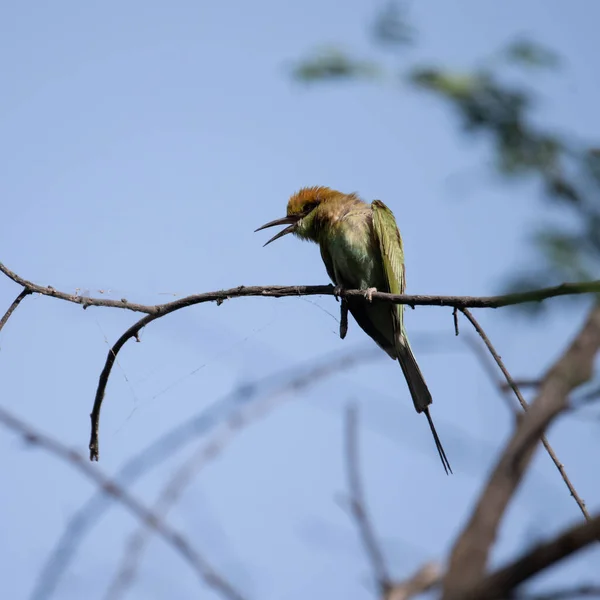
309 208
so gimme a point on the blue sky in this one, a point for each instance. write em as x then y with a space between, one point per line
141 145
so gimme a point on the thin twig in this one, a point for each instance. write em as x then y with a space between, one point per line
12 307
300 378
470 552
498 585
509 380
521 383
358 504
175 539
515 388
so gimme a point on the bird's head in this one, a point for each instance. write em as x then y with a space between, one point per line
305 213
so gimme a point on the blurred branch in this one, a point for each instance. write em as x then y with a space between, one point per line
498 585
470 553
239 420
162 310
358 504
425 578
300 378
12 307
175 539
525 406
581 591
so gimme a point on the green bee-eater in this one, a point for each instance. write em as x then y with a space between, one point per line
362 249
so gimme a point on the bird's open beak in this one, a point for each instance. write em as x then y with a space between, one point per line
291 221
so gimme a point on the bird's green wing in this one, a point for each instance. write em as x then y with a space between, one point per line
392 254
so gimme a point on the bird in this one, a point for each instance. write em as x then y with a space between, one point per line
362 249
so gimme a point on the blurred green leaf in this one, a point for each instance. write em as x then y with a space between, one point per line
559 187
332 64
528 53
562 251
457 86
591 162
391 26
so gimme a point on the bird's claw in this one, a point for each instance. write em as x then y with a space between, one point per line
369 293
337 292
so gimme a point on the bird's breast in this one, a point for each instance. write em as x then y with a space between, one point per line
354 252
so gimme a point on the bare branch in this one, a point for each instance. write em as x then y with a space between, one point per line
470 553
279 291
358 504
515 388
175 539
12 307
498 585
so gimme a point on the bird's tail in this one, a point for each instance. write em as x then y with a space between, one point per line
420 393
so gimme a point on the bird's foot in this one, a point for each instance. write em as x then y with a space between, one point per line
337 292
369 294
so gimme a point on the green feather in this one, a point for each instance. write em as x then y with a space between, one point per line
392 253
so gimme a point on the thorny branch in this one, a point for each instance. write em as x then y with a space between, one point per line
280 291
156 311
175 539
525 406
470 553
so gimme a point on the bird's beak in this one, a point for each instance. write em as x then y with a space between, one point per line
291 221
